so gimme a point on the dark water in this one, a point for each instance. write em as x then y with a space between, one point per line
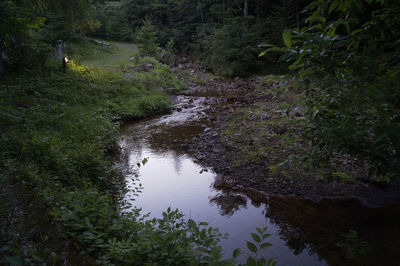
303 232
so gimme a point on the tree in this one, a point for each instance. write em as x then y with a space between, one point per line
29 28
196 25
145 39
16 24
2 66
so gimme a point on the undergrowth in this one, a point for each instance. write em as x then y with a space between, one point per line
58 133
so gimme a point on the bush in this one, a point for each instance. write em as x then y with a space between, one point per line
350 67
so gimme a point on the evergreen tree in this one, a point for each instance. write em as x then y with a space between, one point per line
146 40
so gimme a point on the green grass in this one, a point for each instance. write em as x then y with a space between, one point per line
86 52
57 132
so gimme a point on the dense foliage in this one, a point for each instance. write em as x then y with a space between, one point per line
112 22
30 29
348 58
224 35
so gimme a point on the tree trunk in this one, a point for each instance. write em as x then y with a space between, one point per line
59 53
64 64
257 12
201 12
245 14
297 14
2 65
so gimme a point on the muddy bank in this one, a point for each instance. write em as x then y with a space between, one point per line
222 150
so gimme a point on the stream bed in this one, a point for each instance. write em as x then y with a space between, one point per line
303 232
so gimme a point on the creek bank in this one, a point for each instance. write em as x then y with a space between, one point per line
231 146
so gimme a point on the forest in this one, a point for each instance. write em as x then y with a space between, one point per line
72 72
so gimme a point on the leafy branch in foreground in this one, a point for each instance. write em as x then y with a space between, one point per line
348 57
259 244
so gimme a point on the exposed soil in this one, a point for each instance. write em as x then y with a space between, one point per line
223 151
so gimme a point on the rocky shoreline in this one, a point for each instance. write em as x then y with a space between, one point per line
227 98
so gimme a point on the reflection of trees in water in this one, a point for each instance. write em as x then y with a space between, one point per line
229 202
177 163
280 212
302 223
317 228
321 226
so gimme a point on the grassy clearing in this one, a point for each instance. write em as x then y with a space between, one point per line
89 53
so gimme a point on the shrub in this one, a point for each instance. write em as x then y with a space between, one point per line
350 68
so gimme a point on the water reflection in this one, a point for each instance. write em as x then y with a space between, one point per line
321 226
229 203
172 179
303 232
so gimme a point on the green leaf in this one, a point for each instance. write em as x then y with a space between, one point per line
333 6
236 253
266 236
271 262
261 262
251 261
354 32
251 246
203 234
287 38
265 245
262 53
256 237
259 230
191 223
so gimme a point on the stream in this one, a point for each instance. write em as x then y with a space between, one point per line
303 232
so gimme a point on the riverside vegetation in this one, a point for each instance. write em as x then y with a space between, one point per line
58 135
58 131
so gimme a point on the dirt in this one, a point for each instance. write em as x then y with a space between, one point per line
231 145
